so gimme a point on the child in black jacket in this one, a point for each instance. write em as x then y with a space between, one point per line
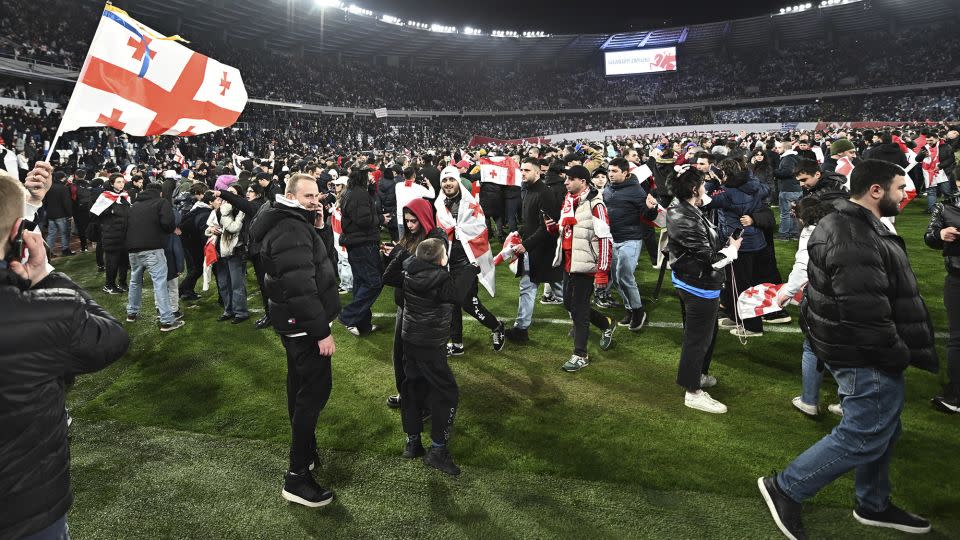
429 296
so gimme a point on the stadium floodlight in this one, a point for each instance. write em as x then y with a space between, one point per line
357 10
472 31
328 4
442 29
390 19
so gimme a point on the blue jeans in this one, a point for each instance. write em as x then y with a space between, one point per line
343 269
626 254
154 262
367 282
56 531
232 282
59 228
811 377
528 298
789 226
872 401
943 188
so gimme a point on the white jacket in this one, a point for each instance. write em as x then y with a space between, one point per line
798 275
231 221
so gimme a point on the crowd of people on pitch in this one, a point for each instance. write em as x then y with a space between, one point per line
906 55
579 219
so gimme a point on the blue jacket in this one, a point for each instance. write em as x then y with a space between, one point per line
626 204
742 195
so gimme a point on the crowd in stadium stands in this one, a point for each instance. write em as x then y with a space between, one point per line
868 59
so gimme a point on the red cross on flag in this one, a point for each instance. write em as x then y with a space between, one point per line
140 82
500 170
761 300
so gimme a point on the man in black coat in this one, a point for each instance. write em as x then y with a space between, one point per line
50 329
301 288
192 227
431 173
150 222
537 247
866 322
59 210
361 236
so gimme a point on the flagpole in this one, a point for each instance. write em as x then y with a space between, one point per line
56 137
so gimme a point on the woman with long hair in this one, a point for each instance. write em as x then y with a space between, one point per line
418 225
225 223
761 169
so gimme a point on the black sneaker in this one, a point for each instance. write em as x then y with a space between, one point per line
785 511
625 321
639 319
172 326
239 320
413 449
550 299
122 289
454 349
225 317
777 317
606 339
520 335
109 290
439 458
497 336
394 401
131 317
262 322
303 489
946 404
892 518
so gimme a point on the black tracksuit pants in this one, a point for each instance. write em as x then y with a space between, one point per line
118 264
428 385
309 382
577 289
193 258
475 308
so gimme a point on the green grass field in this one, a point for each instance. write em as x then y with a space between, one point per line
186 437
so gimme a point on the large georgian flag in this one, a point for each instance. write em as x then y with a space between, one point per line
470 229
140 82
500 170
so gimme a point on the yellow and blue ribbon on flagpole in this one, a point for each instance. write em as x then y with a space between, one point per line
120 17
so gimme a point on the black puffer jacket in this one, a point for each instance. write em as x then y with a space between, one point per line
192 228
150 222
945 215
49 332
113 226
862 307
429 295
694 247
889 152
831 187
361 222
541 246
57 201
300 281
393 274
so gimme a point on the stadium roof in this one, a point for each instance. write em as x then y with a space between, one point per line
289 25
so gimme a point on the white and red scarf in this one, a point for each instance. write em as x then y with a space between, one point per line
470 229
106 199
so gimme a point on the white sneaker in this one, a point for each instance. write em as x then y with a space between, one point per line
707 381
703 402
726 323
836 409
354 330
743 332
809 410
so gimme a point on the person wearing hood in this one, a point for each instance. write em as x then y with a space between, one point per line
839 149
448 201
627 203
301 287
584 254
419 224
742 196
224 225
